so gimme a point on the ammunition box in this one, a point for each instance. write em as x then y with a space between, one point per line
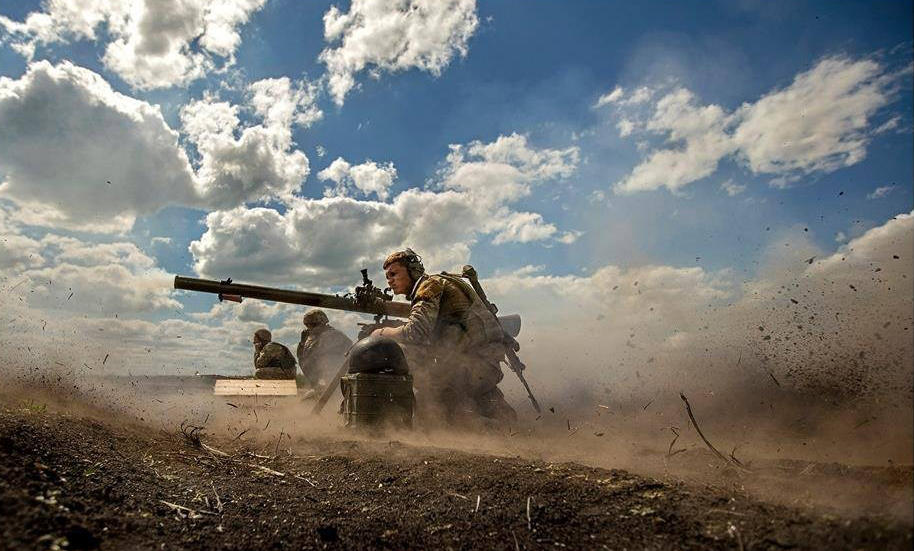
377 400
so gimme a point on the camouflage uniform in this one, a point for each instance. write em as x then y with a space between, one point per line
457 344
320 352
274 361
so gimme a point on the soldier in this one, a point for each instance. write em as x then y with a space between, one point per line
454 342
321 349
271 359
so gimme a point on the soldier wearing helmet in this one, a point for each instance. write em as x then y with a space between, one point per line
271 359
454 342
321 349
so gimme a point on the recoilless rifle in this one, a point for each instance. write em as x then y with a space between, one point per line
366 299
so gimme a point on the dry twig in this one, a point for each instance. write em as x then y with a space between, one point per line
266 469
218 501
670 452
724 458
189 513
213 450
529 524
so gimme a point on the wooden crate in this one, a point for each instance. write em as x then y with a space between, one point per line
255 387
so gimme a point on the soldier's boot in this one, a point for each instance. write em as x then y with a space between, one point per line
493 405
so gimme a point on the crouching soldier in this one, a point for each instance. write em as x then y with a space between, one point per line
321 349
271 359
454 343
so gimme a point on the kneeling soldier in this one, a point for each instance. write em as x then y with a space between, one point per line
271 359
321 349
458 343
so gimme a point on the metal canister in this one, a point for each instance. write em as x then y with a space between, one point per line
377 400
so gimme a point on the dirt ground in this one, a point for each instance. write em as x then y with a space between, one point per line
77 478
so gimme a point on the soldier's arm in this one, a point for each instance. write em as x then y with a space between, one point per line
300 349
263 358
422 316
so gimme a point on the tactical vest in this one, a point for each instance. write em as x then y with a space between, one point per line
478 326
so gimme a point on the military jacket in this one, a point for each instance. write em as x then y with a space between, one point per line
321 350
446 313
274 354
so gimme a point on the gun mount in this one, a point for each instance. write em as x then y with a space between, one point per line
367 298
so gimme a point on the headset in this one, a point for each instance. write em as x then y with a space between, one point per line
414 266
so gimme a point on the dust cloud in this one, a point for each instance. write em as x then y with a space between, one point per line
802 375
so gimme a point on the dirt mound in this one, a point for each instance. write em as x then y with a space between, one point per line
75 483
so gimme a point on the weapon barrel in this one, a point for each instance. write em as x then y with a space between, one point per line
318 300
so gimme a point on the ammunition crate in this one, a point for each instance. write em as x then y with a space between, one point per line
377 400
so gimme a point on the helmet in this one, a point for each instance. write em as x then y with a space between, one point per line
377 354
263 335
411 260
315 317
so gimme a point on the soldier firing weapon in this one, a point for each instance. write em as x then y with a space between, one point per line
367 299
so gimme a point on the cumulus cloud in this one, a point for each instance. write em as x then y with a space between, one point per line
242 164
471 197
700 130
150 43
382 36
76 154
79 155
68 274
821 122
367 178
17 251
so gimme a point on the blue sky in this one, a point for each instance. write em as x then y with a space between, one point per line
795 119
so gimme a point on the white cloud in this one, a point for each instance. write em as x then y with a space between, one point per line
65 273
505 168
366 178
610 97
77 154
522 227
153 43
472 197
626 127
821 122
640 95
732 189
17 251
260 163
384 36
700 130
880 192
570 237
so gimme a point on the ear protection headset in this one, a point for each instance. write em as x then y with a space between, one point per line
414 266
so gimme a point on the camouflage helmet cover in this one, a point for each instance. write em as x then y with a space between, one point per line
315 317
263 335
